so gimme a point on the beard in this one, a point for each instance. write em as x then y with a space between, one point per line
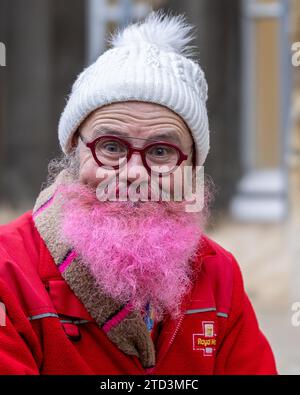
136 252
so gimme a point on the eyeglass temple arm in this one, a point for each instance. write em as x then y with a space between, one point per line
81 138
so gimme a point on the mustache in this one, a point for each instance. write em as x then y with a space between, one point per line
85 197
115 190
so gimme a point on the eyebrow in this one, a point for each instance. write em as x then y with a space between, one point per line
164 136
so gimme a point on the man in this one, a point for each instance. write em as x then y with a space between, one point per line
111 273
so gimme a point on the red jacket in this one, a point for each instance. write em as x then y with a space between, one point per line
49 331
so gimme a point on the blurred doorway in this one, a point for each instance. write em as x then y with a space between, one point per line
262 193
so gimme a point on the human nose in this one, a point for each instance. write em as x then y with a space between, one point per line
136 169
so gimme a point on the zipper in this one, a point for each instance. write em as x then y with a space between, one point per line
176 330
150 371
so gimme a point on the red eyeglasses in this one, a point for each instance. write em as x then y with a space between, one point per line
113 152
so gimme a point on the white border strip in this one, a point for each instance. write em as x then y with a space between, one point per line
205 310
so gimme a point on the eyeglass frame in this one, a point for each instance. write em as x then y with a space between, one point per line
131 149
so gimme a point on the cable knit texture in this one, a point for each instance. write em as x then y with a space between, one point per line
149 61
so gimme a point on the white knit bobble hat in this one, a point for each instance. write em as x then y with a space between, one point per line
148 62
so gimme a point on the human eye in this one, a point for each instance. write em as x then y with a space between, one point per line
160 151
112 147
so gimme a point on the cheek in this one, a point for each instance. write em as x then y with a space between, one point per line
88 170
91 174
181 180
170 184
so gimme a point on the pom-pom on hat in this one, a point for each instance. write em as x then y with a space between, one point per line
150 61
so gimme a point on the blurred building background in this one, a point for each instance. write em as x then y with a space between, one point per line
254 109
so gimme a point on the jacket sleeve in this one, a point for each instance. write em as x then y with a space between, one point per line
19 350
15 357
243 348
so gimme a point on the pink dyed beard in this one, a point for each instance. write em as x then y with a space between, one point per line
135 253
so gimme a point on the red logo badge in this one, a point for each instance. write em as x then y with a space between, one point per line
205 341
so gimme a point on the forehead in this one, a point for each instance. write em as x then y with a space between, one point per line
137 106
134 112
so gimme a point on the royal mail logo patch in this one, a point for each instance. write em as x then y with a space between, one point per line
205 341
